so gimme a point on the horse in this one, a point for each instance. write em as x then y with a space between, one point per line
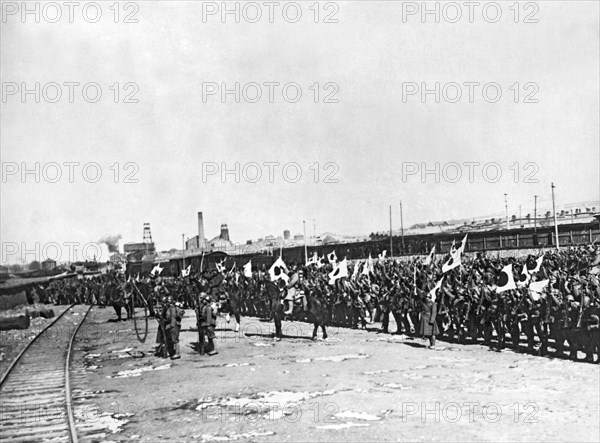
316 312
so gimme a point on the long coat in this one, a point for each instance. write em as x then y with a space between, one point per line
428 326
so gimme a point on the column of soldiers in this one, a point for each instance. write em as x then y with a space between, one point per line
467 308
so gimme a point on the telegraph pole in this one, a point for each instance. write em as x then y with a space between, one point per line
535 197
506 209
401 226
305 248
183 249
391 245
554 210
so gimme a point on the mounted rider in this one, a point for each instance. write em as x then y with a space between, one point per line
296 290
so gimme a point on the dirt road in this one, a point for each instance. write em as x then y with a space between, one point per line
356 386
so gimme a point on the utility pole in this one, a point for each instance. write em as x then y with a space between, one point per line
506 209
401 226
555 224
535 197
183 249
305 248
391 244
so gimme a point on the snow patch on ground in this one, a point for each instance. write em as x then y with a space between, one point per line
137 372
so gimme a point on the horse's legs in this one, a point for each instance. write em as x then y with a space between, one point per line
324 331
315 330
237 322
117 309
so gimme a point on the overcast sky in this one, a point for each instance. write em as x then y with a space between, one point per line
367 57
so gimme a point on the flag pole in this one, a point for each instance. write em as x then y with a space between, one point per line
555 224
391 244
305 248
401 226
201 261
183 250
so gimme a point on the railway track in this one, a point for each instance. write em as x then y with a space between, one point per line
35 392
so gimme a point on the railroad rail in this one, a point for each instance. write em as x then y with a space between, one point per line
35 391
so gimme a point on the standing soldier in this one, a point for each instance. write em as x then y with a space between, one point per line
207 325
172 323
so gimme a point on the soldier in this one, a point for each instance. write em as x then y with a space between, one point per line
207 325
173 317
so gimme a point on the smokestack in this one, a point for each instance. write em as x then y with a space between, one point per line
200 231
224 232
286 234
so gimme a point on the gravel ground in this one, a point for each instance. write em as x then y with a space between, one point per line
13 341
356 386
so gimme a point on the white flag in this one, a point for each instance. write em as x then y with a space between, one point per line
437 286
355 271
185 272
313 260
524 277
430 257
220 267
538 265
368 267
279 271
506 280
340 271
463 244
156 270
538 286
332 257
382 255
453 261
321 262
248 269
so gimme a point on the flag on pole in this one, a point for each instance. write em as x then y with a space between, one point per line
340 271
248 269
536 288
321 262
506 280
453 261
524 277
463 244
186 272
279 271
332 257
156 270
368 267
453 247
531 268
232 269
355 271
382 255
313 260
220 267
430 257
437 286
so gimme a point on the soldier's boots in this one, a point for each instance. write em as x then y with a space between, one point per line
176 355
